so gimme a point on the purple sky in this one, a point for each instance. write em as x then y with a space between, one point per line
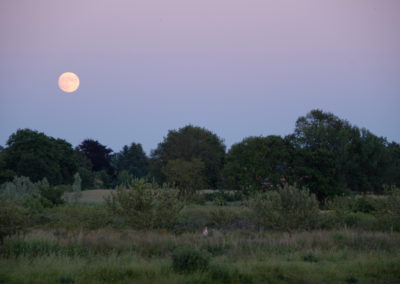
238 68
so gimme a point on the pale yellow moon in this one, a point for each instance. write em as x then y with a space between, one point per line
68 82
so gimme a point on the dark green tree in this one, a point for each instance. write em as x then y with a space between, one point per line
98 155
133 160
5 173
258 162
323 156
187 176
333 157
189 143
85 170
392 175
373 163
35 155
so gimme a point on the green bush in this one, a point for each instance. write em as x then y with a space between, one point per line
288 208
388 210
188 260
12 220
52 195
327 220
77 217
367 212
356 203
360 220
20 187
144 206
364 204
223 217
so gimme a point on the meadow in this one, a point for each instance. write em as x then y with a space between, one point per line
83 243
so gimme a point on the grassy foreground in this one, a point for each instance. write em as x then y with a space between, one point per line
127 256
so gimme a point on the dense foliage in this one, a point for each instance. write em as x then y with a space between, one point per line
98 154
187 144
12 220
145 206
326 154
33 154
258 161
334 157
288 208
186 175
133 160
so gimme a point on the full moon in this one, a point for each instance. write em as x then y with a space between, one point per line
68 82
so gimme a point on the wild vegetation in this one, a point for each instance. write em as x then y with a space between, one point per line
318 206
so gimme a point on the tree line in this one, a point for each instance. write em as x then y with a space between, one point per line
325 153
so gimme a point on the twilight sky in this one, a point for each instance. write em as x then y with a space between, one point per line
237 68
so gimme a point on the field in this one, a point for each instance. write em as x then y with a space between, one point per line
109 256
94 196
84 243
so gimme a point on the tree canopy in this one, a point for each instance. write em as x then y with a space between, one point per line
189 143
33 154
257 162
98 154
133 160
325 153
334 157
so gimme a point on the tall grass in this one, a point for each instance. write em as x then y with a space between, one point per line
105 256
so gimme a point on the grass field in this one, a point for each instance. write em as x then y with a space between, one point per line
94 195
85 242
126 256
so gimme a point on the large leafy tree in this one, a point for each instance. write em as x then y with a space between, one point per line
98 155
186 175
333 157
257 162
5 173
187 144
324 152
85 170
373 163
133 160
392 175
35 155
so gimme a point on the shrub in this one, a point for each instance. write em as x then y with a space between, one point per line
357 203
360 220
12 220
51 195
145 206
388 210
78 217
326 220
20 187
33 196
364 204
188 260
287 208
223 217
